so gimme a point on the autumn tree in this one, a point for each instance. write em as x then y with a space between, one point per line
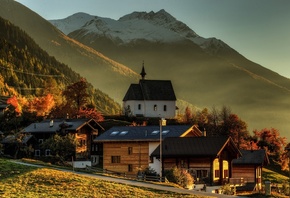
271 140
41 105
188 115
76 94
236 128
62 147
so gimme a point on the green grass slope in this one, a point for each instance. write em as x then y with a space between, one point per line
24 181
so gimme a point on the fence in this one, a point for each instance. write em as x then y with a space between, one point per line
140 177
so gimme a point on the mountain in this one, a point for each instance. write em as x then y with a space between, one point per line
26 68
205 71
102 72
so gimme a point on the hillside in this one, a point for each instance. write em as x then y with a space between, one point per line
25 68
103 73
205 72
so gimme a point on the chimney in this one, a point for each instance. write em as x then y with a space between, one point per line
51 123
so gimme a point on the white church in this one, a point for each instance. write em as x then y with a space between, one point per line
150 98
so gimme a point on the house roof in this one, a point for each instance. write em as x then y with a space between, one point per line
143 133
11 139
194 146
47 126
255 157
151 90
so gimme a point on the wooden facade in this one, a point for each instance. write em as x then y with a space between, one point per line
126 157
249 167
208 159
127 149
84 130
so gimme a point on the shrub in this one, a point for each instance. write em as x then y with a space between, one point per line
227 190
180 177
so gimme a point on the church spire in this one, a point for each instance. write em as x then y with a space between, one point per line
143 73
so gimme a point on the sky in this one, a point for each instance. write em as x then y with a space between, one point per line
257 29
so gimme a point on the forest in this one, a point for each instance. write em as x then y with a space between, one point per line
27 71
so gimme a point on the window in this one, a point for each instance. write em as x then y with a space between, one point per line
115 159
201 173
37 152
40 141
123 133
217 173
155 107
164 108
114 133
130 167
139 106
226 173
47 152
130 150
94 147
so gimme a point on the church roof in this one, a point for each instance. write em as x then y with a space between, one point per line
151 90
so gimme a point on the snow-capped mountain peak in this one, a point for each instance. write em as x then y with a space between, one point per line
72 23
151 26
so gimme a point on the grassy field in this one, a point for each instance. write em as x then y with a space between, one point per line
24 181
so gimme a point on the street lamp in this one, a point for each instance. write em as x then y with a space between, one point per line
162 122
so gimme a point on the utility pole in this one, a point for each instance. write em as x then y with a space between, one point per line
161 123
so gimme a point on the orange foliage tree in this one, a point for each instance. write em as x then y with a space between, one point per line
271 140
14 102
41 105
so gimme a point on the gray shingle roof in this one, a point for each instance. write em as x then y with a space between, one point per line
193 146
12 139
141 133
44 126
151 90
257 157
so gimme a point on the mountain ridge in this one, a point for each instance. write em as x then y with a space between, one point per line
202 73
216 70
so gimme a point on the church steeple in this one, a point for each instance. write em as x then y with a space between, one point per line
143 73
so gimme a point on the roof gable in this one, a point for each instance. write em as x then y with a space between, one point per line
151 90
142 133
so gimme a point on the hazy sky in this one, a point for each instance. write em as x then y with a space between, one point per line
258 29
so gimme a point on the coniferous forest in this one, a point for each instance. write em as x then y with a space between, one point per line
28 71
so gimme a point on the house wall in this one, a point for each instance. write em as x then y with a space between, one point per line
154 163
117 156
148 110
248 172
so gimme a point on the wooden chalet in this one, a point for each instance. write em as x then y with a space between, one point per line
85 130
248 169
127 149
208 159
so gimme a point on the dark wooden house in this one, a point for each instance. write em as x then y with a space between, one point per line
84 130
248 169
208 159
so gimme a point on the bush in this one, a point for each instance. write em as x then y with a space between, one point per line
227 190
180 177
